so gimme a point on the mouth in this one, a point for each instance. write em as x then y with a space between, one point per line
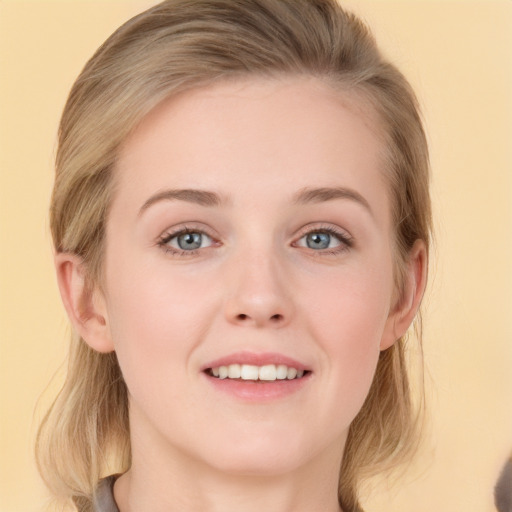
257 377
248 372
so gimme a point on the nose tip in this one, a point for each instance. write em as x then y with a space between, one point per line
258 296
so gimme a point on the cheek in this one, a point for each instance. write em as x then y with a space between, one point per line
350 307
148 302
348 321
153 319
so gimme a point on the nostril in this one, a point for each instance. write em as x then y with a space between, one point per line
245 319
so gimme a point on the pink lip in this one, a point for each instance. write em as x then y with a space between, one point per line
255 359
257 391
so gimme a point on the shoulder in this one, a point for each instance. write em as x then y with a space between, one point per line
503 489
103 500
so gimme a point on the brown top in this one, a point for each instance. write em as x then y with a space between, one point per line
104 496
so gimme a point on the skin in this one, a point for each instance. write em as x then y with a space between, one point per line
253 285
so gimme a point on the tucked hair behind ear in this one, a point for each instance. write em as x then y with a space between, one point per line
178 45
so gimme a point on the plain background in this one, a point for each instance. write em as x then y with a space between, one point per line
458 56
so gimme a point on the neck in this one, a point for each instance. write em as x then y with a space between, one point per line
223 493
165 479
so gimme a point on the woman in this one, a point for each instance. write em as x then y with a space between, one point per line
241 221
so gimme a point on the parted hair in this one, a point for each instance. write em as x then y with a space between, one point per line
179 45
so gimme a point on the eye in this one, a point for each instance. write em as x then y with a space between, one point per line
325 239
321 240
185 241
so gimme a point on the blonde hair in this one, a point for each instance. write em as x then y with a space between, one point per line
178 45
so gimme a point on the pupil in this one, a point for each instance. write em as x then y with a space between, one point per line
189 241
318 240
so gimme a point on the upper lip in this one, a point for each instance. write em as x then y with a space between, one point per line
256 359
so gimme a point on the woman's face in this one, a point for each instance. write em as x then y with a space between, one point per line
250 235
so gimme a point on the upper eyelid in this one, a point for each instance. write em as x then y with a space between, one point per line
185 228
166 237
189 227
329 228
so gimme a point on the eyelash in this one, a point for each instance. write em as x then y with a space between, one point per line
346 241
173 251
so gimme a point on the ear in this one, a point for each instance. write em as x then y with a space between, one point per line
85 306
401 316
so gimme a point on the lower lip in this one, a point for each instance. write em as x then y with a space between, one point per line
257 390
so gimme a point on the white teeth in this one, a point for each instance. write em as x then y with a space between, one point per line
223 372
282 371
249 372
292 373
268 372
234 371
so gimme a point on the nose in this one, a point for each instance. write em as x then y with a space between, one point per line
258 294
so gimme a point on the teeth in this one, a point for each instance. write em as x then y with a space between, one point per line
234 371
267 372
292 373
282 371
249 372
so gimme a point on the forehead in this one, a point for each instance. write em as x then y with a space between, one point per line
263 135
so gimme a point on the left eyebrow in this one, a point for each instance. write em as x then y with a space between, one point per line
322 194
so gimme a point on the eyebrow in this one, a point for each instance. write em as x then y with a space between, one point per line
322 194
211 199
200 197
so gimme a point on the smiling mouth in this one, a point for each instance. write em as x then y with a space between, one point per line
266 373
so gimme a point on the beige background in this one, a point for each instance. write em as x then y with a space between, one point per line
458 55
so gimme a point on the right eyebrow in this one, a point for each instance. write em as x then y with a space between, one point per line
200 197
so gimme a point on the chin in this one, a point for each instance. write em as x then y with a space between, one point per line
264 453
263 465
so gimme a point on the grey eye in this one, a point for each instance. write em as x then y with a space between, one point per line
184 241
318 240
190 241
323 239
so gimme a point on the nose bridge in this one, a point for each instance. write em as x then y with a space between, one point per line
258 294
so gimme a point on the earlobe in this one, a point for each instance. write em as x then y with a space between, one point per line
84 305
407 305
